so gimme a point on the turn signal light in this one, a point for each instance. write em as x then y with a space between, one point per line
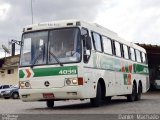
80 81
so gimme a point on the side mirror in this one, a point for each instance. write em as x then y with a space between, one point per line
88 43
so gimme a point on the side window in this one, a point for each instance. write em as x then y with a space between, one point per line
143 57
97 41
138 56
132 54
117 49
125 50
107 45
5 86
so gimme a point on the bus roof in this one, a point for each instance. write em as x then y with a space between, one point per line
73 23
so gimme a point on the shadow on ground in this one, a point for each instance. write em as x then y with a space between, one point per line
86 106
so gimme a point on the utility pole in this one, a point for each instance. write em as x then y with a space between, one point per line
32 10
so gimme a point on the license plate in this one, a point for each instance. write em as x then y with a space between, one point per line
48 95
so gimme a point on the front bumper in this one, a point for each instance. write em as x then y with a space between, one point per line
6 95
1 95
69 92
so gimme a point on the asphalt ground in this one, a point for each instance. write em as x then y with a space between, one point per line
148 105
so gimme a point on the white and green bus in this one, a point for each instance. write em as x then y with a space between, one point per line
72 59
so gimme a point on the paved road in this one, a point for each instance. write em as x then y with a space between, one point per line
150 103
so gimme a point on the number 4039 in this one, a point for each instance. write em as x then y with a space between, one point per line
65 72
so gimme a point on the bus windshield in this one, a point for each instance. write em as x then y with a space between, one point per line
51 47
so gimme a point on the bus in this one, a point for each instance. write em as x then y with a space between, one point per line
77 60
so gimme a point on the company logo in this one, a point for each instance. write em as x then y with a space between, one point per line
46 83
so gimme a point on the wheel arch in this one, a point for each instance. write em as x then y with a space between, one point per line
14 93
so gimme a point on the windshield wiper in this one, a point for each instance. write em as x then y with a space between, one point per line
41 53
35 59
56 58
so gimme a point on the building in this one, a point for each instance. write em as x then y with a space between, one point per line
153 56
9 70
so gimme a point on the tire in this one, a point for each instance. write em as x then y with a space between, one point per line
131 97
95 102
139 94
108 99
6 97
15 95
50 103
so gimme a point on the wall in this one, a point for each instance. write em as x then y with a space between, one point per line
10 79
9 70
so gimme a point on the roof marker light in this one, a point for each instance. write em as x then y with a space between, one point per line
69 24
78 23
29 28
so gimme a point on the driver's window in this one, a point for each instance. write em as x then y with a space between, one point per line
26 56
86 52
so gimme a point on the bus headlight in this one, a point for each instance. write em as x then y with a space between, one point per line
75 81
71 81
24 84
27 84
68 81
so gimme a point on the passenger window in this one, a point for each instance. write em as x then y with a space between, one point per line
97 41
107 45
132 54
143 57
138 56
125 49
118 49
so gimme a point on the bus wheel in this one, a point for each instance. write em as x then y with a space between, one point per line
131 97
138 95
95 102
50 103
108 99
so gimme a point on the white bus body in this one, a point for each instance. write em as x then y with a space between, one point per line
98 71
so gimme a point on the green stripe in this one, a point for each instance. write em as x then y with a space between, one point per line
21 74
53 71
125 79
137 68
106 62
